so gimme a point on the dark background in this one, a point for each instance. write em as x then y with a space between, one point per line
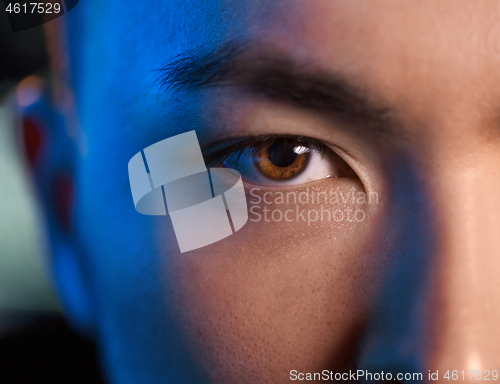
21 54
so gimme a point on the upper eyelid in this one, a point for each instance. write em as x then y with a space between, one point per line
240 144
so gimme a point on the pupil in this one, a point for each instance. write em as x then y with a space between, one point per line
281 153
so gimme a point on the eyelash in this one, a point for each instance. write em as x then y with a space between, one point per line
215 156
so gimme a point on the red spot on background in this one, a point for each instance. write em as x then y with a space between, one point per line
32 139
62 200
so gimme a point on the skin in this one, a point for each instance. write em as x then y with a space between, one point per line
412 288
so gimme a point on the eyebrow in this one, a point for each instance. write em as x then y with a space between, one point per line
272 73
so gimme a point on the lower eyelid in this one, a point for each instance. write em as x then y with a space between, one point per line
330 182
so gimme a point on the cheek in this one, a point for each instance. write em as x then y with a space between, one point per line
279 294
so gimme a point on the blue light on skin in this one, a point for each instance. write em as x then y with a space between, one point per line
108 270
276 297
116 269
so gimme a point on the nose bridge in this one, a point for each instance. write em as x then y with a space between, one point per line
465 201
439 309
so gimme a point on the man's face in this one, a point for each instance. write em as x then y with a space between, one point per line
397 101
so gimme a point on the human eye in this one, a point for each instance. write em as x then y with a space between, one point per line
278 160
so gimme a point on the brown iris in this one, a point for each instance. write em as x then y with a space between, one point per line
281 159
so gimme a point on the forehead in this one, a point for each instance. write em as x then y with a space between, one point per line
448 38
